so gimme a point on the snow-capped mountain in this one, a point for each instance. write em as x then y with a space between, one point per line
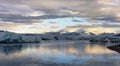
10 37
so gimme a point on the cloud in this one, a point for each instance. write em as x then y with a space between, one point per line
109 2
15 9
23 13
18 13
95 28
74 20
40 9
21 27
51 22
69 12
37 28
67 29
34 14
12 26
106 25
99 30
83 26
111 25
55 26
19 18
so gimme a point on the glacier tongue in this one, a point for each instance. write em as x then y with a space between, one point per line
9 37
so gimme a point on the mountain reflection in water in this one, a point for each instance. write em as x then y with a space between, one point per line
53 53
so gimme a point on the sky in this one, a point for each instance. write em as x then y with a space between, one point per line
41 16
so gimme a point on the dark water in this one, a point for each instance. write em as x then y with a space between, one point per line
58 53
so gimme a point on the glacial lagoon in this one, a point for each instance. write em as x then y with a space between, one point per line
58 53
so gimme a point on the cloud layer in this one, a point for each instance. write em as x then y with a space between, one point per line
97 13
93 9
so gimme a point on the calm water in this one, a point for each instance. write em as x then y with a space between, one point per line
58 53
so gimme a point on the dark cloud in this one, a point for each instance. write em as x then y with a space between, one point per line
108 18
26 19
106 25
111 25
83 26
51 22
74 20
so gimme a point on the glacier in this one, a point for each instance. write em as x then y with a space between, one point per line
10 37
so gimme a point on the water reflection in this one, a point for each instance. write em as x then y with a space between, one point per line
58 52
9 49
16 48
